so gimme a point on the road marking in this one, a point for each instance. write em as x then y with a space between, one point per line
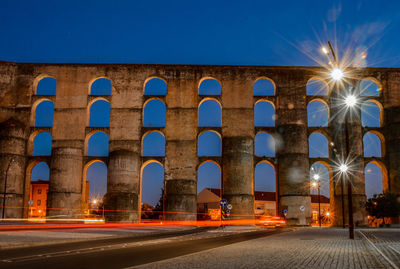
380 252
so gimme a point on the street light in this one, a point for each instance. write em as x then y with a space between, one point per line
337 74
5 189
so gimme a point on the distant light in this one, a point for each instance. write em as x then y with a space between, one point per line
94 201
314 184
328 214
332 144
350 100
336 74
40 211
324 50
343 168
316 176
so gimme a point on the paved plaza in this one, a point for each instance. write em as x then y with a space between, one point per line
303 248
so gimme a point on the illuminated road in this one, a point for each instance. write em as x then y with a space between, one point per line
124 252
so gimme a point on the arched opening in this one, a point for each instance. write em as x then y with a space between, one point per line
38 189
317 113
154 114
316 87
42 144
373 179
43 113
264 145
210 86
208 191
264 114
209 144
46 86
318 145
370 87
372 144
155 86
96 182
153 144
100 86
264 87
371 114
99 112
265 189
320 181
210 113
152 191
97 144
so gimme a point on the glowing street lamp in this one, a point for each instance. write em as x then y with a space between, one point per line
325 50
337 74
350 100
343 168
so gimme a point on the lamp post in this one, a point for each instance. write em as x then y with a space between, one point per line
337 75
5 189
316 185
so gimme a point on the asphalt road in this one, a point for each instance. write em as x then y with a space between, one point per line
121 252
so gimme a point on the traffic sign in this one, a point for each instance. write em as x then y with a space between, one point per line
302 208
228 212
285 212
229 206
30 202
223 202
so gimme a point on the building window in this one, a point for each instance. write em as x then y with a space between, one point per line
39 202
39 191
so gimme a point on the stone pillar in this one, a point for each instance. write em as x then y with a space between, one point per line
123 188
180 151
392 130
13 137
293 163
65 189
238 144
238 175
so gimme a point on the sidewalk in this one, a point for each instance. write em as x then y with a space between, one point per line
304 248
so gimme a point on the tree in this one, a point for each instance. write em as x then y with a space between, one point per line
159 208
385 205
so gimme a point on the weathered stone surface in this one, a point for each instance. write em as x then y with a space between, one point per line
70 131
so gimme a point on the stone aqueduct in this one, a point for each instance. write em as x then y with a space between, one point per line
70 130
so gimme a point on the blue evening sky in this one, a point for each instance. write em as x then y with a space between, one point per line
199 32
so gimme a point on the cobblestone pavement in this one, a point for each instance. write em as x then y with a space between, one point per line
304 248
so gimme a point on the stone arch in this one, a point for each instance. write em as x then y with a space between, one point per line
265 188
42 113
316 86
45 141
42 175
264 86
209 86
318 113
373 144
209 143
155 85
152 189
264 145
209 182
100 86
368 109
370 86
99 110
206 107
100 138
45 85
155 148
264 113
318 145
93 185
154 107
376 175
